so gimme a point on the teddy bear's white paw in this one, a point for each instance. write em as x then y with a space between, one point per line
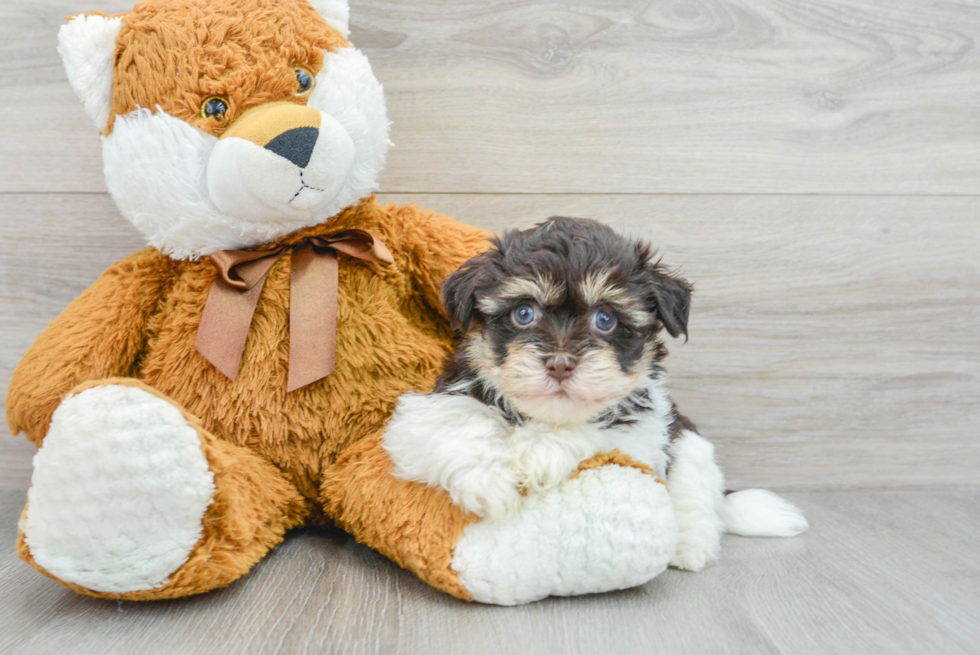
120 487
612 527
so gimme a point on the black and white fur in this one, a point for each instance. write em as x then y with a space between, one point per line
558 359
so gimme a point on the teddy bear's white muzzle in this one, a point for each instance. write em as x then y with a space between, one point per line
282 161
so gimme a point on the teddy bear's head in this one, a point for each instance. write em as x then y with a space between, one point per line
228 123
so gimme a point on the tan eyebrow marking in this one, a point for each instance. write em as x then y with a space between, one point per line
597 289
542 289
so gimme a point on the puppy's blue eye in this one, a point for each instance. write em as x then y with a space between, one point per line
603 321
524 315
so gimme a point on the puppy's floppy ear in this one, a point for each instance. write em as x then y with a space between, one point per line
460 289
670 295
674 304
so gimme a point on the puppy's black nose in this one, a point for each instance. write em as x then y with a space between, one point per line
296 145
560 367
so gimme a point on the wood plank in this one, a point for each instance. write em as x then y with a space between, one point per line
866 578
734 96
835 341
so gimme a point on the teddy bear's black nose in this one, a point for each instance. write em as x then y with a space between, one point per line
296 145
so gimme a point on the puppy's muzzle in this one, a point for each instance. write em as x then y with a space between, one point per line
560 367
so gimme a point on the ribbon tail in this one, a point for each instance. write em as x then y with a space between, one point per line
225 324
312 317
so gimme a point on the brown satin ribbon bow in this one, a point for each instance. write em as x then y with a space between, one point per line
312 302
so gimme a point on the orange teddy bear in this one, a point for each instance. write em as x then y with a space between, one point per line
231 381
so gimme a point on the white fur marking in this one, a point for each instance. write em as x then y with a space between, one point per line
335 12
645 440
457 443
761 513
157 169
245 179
545 455
697 489
120 487
87 45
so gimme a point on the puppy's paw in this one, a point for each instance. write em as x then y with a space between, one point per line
547 472
544 457
489 491
693 556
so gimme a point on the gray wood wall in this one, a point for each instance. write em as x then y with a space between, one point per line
814 167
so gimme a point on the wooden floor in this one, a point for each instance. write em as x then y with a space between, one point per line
812 165
880 572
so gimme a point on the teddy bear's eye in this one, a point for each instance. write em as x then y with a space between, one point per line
304 81
214 107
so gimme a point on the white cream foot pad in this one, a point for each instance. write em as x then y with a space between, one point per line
119 490
610 528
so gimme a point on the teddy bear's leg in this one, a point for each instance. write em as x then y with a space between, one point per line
609 527
132 499
414 525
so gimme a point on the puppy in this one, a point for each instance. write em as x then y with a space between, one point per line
559 358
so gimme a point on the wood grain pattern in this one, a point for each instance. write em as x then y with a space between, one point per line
693 96
835 341
865 579
835 338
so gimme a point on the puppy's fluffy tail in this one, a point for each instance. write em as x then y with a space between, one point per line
761 513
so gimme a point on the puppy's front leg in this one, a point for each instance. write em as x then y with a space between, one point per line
697 490
544 456
457 443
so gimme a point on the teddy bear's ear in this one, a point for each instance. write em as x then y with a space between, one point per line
88 45
335 12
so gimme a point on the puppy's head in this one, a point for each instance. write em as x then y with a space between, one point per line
561 321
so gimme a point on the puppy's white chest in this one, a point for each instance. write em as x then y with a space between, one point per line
645 441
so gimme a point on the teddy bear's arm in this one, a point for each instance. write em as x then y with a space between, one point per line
434 246
100 334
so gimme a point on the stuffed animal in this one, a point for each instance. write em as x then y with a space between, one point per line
232 381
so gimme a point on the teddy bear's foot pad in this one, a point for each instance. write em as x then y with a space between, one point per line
610 528
119 490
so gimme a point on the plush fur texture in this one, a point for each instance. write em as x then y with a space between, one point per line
558 359
618 549
88 45
335 12
184 76
140 485
173 54
189 191
390 337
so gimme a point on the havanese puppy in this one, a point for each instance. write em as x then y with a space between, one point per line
559 358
